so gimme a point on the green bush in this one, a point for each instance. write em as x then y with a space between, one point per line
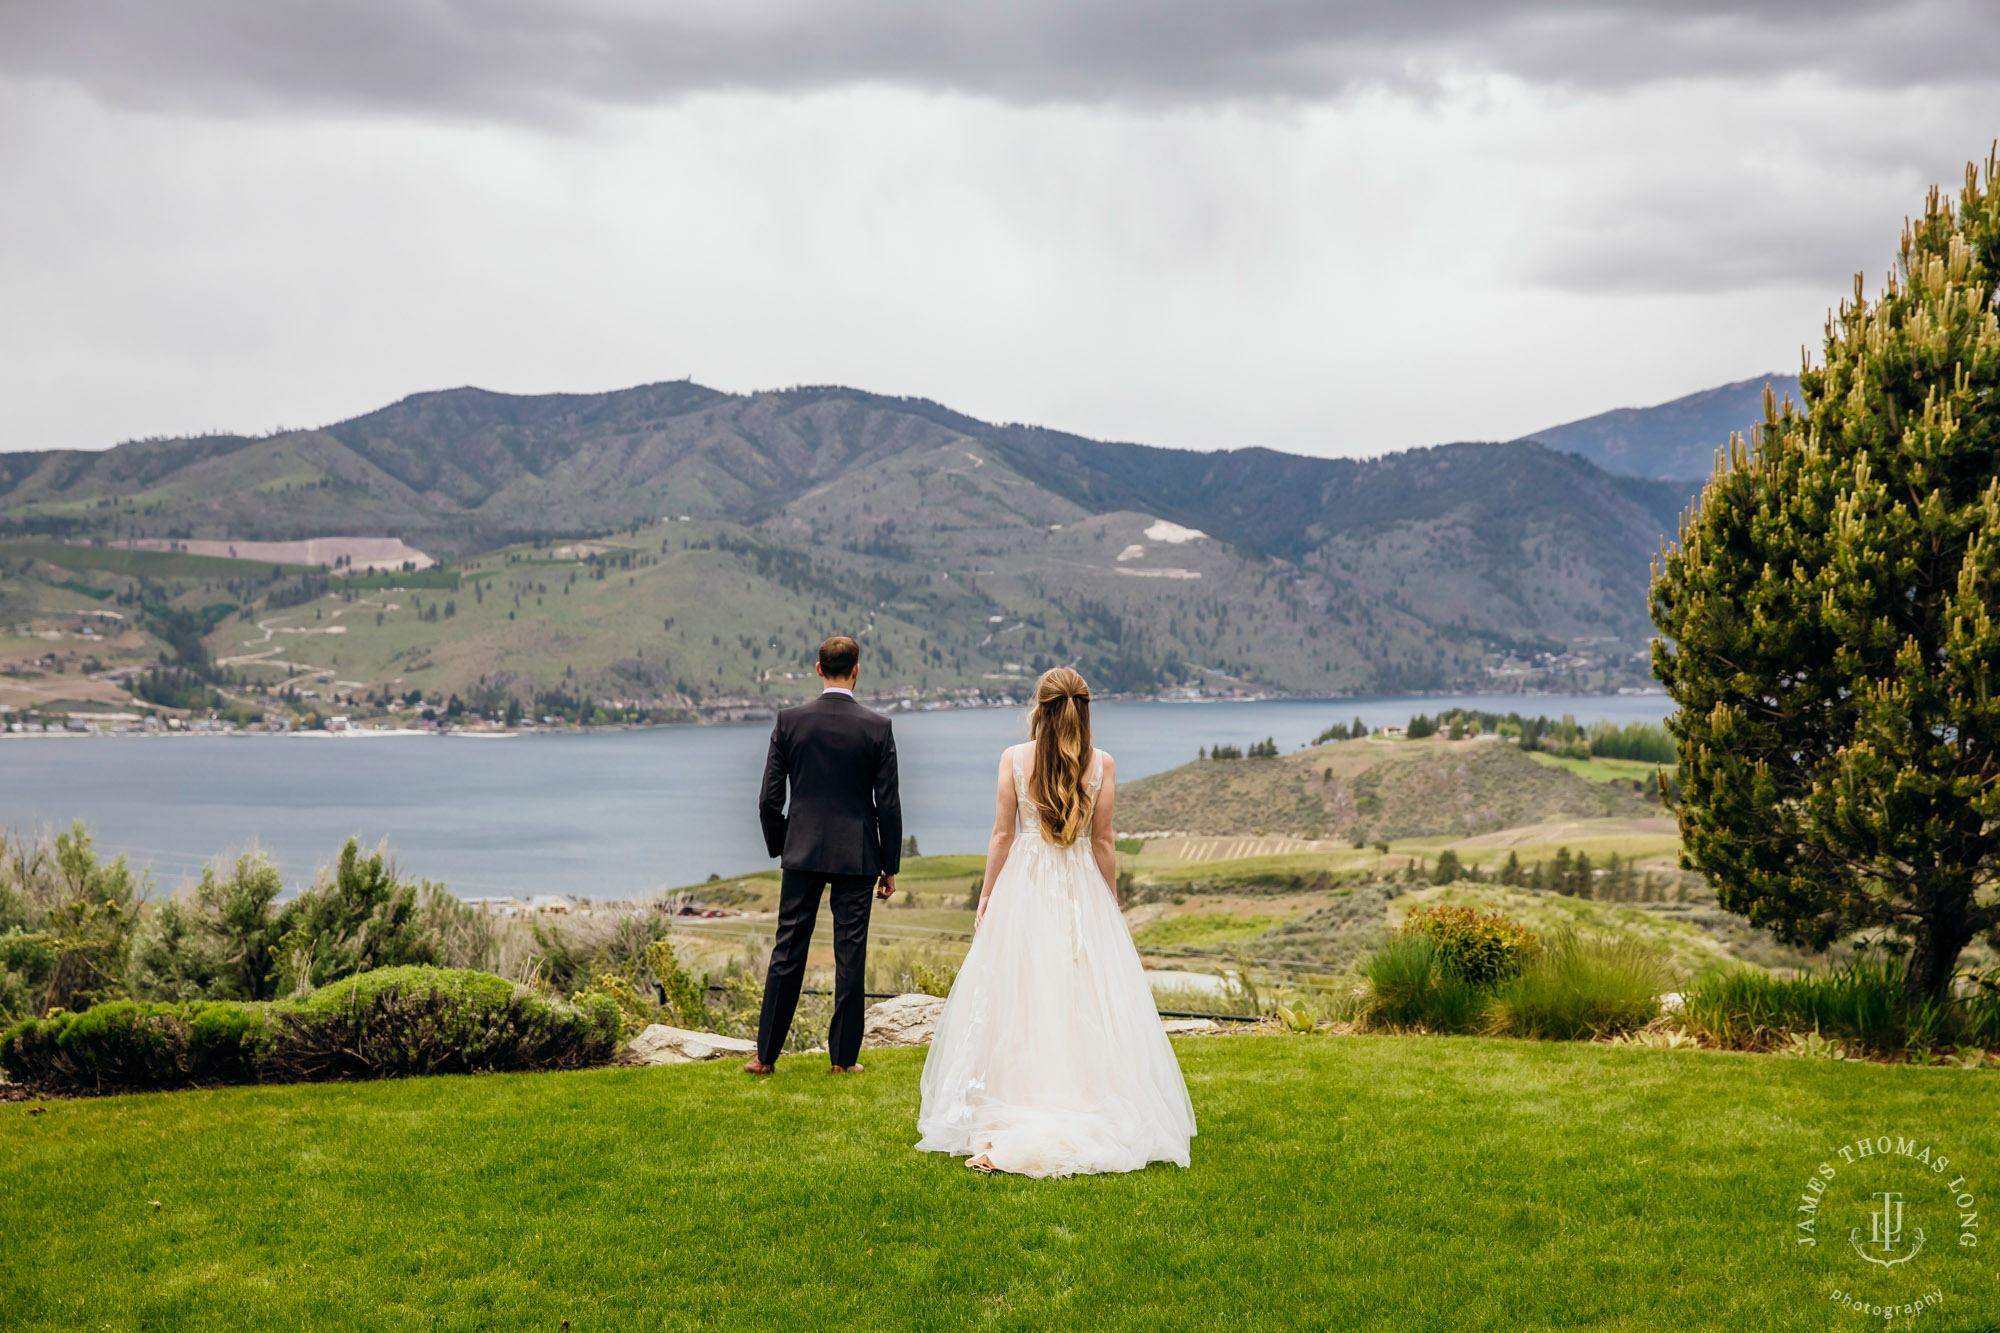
1483 948
124 1044
214 941
1410 987
1981 1011
360 918
383 1024
1578 988
424 1020
935 980
27 961
69 919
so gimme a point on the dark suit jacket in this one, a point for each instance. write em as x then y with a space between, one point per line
846 818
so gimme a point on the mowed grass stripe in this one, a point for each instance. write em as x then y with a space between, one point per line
1372 1183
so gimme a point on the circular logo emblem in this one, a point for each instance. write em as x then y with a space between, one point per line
1889 1217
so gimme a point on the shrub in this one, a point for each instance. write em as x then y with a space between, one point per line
935 980
129 1045
1578 988
1982 1013
215 941
78 913
1484 949
423 1020
360 918
684 997
27 961
1409 987
383 1024
569 953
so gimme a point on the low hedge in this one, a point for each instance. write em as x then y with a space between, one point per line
385 1024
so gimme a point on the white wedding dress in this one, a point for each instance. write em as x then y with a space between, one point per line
1049 1056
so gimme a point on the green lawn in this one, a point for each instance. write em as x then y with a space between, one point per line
1369 1183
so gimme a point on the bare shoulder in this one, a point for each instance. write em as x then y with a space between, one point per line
1106 764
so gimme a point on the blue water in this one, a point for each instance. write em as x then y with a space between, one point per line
596 815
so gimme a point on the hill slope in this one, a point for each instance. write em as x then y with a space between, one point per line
1676 440
1360 791
975 553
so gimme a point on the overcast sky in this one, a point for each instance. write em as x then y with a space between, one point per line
1333 228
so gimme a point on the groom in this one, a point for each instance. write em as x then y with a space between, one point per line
844 831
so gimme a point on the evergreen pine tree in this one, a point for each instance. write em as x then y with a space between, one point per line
1582 881
1827 621
1559 872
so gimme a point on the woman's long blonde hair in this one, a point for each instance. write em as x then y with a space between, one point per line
1060 728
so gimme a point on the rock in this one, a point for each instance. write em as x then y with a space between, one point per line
1672 1002
1181 1027
905 1020
662 1045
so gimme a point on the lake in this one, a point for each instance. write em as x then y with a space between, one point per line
596 814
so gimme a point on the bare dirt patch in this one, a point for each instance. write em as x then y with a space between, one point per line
361 553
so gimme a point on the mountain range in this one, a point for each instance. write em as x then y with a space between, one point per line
1456 565
1677 440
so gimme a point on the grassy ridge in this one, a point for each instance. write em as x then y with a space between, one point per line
1367 1183
1368 790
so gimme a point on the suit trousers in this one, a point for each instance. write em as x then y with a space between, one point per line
798 906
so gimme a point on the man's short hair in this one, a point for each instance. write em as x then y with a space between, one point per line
839 656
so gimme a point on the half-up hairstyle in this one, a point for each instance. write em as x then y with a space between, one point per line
1060 728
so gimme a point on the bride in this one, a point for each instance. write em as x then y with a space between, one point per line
1049 1058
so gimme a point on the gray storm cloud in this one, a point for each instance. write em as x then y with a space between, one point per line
1210 224
523 59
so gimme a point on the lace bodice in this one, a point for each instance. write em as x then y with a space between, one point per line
1030 817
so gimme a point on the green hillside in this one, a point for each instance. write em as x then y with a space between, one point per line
1368 790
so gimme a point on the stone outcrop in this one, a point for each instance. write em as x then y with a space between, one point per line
911 1020
662 1045
905 1020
